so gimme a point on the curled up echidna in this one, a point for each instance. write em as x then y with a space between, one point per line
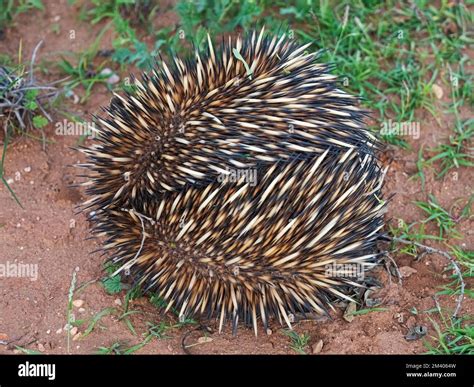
293 240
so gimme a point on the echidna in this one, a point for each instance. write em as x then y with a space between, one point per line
248 103
242 251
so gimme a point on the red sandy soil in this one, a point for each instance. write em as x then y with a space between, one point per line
47 232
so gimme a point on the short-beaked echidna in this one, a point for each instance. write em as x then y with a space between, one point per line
279 245
247 103
246 252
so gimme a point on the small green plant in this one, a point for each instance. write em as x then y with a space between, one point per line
112 283
133 51
124 14
139 12
159 330
27 351
121 348
414 232
465 259
23 100
116 348
9 9
443 218
215 17
454 154
298 342
138 346
96 319
157 301
132 294
82 70
160 303
154 331
421 163
461 83
453 337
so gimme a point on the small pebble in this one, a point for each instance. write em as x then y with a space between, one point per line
48 331
112 78
317 348
118 301
437 90
59 331
78 303
73 96
27 169
204 339
106 71
41 347
348 314
74 331
407 271
81 310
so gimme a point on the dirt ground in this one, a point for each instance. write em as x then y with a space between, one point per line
47 232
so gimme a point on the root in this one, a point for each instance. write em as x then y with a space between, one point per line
387 267
185 347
